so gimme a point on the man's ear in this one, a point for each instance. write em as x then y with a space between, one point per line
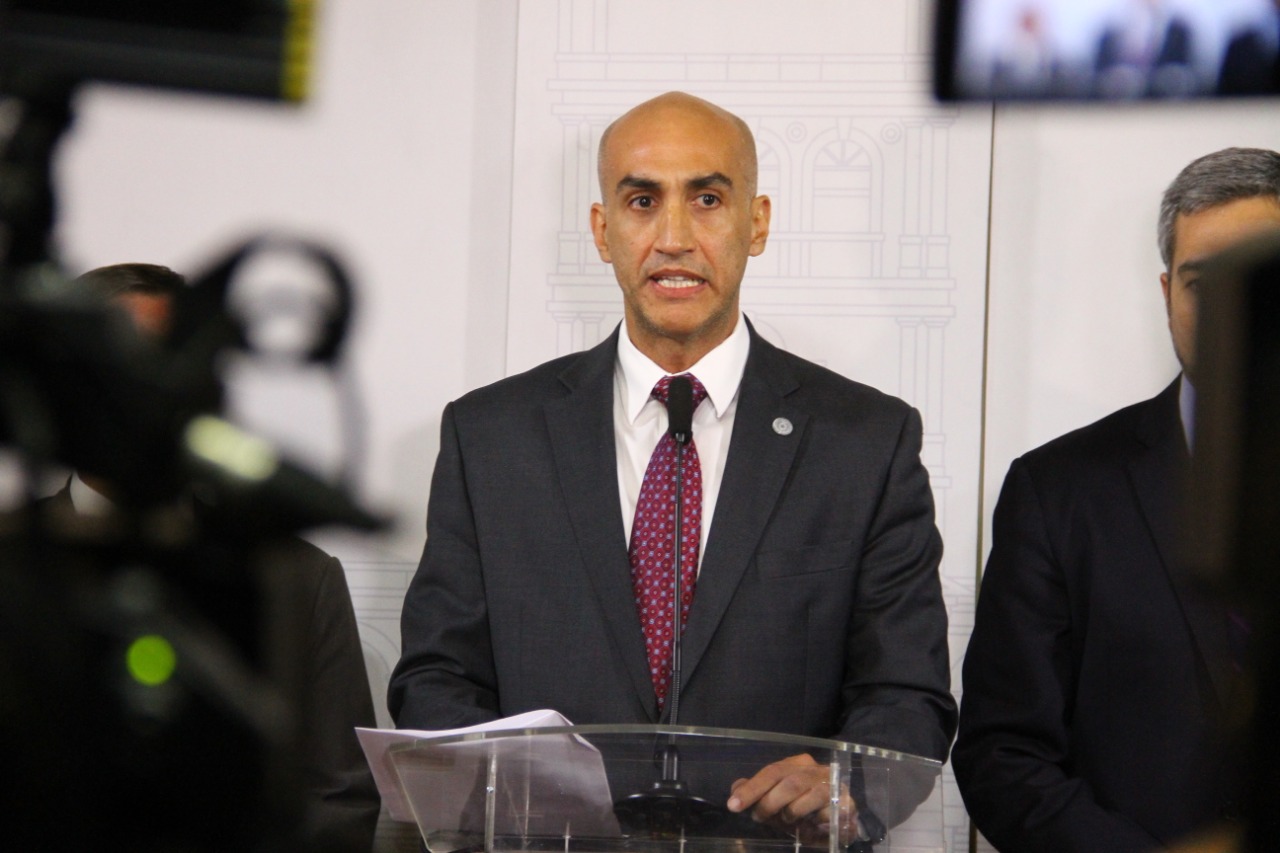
761 210
597 231
1165 284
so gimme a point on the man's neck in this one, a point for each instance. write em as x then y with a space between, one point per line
675 356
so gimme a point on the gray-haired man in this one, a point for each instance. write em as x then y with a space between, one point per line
1097 675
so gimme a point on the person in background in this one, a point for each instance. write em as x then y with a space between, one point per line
342 802
1146 49
1099 672
1251 60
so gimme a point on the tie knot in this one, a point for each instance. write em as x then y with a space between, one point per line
662 390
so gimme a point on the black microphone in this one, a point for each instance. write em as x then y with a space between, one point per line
680 409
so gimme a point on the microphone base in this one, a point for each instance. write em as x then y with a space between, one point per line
667 810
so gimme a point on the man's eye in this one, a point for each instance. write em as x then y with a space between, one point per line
643 202
708 200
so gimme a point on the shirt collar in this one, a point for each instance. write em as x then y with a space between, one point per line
1187 410
719 371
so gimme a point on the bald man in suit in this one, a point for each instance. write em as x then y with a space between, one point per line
817 608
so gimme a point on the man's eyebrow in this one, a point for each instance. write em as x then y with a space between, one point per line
1190 267
715 179
631 182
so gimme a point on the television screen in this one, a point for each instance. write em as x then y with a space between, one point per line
1106 49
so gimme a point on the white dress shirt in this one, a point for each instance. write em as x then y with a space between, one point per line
639 420
1187 409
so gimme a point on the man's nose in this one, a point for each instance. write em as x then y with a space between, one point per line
675 230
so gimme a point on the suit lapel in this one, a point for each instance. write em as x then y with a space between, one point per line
581 427
759 462
1158 477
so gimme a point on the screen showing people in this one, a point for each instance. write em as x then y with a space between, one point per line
1108 49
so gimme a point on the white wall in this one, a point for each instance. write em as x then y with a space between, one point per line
1077 323
447 155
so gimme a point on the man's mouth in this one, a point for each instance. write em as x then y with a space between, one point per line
676 282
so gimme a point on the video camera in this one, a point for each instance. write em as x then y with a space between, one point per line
150 693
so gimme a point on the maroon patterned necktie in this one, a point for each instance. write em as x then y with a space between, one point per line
652 548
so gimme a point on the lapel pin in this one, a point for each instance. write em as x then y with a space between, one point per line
782 426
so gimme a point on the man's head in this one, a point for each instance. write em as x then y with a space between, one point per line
144 291
678 220
1214 203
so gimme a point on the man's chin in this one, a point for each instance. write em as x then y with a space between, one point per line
690 332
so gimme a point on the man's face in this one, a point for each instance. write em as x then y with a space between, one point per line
1197 237
678 223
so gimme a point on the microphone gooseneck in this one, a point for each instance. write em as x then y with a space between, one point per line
680 427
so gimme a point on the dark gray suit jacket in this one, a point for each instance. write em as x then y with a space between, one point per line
1097 670
818 608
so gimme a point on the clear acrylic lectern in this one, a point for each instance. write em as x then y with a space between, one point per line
656 788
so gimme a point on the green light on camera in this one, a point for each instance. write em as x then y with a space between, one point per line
151 660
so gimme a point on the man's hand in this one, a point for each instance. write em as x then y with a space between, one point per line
794 795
